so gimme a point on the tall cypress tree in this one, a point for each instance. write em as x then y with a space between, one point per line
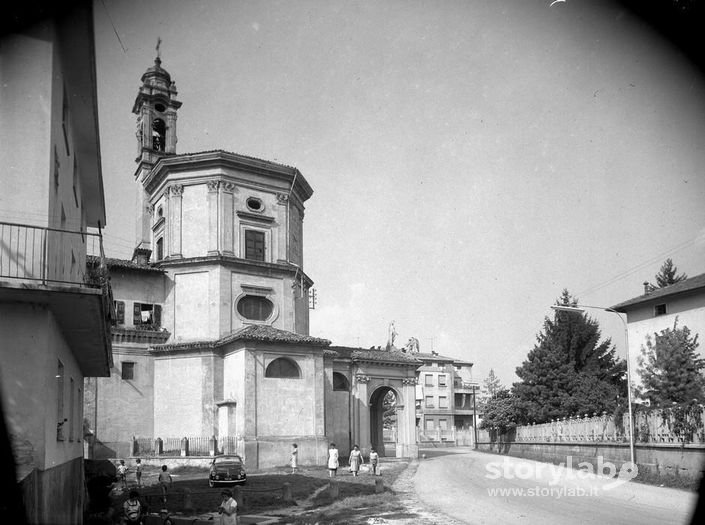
668 275
569 371
671 370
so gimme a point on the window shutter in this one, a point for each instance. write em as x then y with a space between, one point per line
120 311
157 315
137 314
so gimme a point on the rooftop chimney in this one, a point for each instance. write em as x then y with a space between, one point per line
647 288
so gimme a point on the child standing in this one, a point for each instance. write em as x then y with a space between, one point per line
294 458
122 473
355 460
165 482
138 472
374 460
332 461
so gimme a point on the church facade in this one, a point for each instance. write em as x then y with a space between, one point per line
212 331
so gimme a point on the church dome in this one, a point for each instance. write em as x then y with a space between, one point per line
156 75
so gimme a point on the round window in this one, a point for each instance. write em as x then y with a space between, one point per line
255 307
254 204
160 107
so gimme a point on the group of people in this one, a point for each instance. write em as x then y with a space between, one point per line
356 460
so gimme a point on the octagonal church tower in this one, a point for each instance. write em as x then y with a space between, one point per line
226 228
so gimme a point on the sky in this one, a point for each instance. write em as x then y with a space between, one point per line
469 159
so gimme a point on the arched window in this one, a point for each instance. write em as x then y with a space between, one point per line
158 134
282 367
340 382
255 307
160 248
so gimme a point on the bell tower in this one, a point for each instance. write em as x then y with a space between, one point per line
155 108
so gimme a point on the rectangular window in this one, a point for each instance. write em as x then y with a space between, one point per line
429 401
70 422
429 380
660 309
60 401
119 312
147 315
442 380
443 424
128 370
160 248
442 402
254 245
429 424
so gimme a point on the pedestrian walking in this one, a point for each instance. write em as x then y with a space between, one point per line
165 482
294 458
374 460
122 473
355 460
138 473
332 460
227 509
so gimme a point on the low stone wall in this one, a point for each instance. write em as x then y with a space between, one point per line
685 462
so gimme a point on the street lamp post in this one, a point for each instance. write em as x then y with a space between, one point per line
580 308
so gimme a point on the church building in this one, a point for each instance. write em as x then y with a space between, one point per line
212 331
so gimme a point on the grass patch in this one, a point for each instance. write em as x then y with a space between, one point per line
353 510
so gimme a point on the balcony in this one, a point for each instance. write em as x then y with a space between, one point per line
47 266
464 387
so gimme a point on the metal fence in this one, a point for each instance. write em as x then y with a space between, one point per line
674 425
46 255
187 446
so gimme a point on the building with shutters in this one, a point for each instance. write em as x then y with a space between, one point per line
212 331
54 315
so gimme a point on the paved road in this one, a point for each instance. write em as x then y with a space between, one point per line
478 488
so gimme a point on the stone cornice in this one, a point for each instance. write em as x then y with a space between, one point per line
242 265
131 335
218 158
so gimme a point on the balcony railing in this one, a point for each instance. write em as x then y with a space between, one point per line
53 256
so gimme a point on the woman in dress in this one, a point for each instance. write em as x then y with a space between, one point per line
355 460
332 460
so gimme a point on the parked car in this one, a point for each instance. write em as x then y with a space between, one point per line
227 470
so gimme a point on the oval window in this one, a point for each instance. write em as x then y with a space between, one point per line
255 307
254 204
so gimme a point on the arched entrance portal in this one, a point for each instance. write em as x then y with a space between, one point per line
383 421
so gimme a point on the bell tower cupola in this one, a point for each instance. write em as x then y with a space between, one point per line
155 107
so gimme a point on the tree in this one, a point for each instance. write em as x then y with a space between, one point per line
569 371
670 369
492 384
389 404
500 412
668 275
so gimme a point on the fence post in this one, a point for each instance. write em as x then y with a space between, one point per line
286 493
184 447
188 502
158 446
333 489
237 496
